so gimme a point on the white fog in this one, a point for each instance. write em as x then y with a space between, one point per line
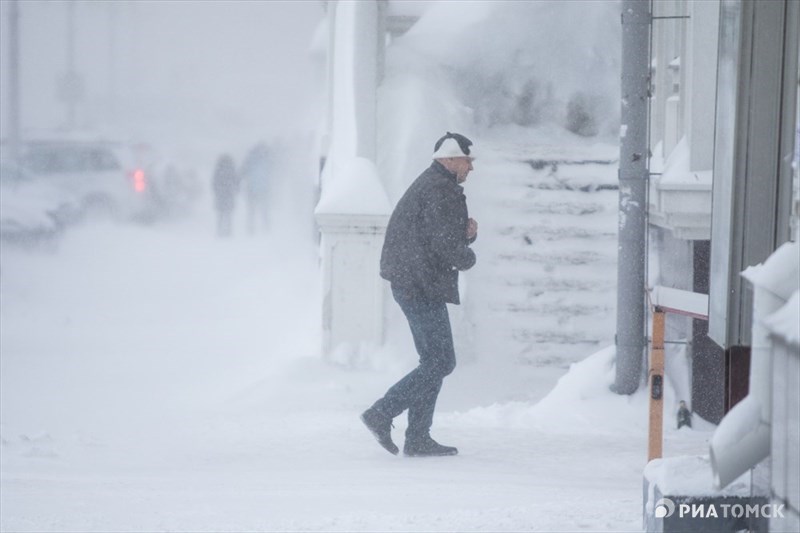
222 73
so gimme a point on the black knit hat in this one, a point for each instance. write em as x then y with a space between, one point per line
458 146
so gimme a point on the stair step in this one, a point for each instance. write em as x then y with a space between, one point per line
522 206
548 284
577 258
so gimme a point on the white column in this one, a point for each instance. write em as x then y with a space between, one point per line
366 77
353 209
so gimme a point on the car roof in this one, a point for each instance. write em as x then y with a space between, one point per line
69 143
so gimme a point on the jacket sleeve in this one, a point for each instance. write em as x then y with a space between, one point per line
446 221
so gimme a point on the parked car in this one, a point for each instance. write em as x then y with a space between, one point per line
30 211
55 183
90 174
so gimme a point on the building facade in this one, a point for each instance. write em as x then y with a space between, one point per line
723 198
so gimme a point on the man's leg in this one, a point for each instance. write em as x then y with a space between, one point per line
398 398
419 389
441 361
430 327
420 413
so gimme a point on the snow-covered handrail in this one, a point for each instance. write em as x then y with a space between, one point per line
679 302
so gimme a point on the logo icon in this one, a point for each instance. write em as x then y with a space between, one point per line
664 508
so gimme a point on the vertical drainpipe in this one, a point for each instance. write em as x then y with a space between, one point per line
633 179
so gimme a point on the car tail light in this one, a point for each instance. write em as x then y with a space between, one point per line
139 181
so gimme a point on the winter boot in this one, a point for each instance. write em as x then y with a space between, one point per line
381 427
427 447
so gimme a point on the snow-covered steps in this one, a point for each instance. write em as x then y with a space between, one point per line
544 290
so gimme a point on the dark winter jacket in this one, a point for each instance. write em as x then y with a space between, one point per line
225 184
426 241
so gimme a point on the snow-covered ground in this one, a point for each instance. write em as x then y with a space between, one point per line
156 378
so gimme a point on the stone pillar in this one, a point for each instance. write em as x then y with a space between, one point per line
353 292
352 216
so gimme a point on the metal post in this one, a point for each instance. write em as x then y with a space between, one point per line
71 63
14 104
656 432
633 178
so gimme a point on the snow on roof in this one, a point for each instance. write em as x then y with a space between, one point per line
408 8
690 475
446 19
785 322
355 189
677 174
779 274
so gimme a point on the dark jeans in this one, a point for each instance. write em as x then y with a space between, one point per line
418 390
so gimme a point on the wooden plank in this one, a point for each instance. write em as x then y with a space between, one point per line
656 430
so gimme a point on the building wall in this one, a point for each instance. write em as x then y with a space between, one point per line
667 47
752 177
700 67
784 459
674 256
708 359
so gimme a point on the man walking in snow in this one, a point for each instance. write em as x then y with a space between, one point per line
427 243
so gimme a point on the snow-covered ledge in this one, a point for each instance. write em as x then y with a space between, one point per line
679 497
680 198
352 215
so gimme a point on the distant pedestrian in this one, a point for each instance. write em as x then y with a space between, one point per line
684 415
427 243
225 184
255 174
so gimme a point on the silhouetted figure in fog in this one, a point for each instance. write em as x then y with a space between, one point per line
684 415
225 184
255 174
